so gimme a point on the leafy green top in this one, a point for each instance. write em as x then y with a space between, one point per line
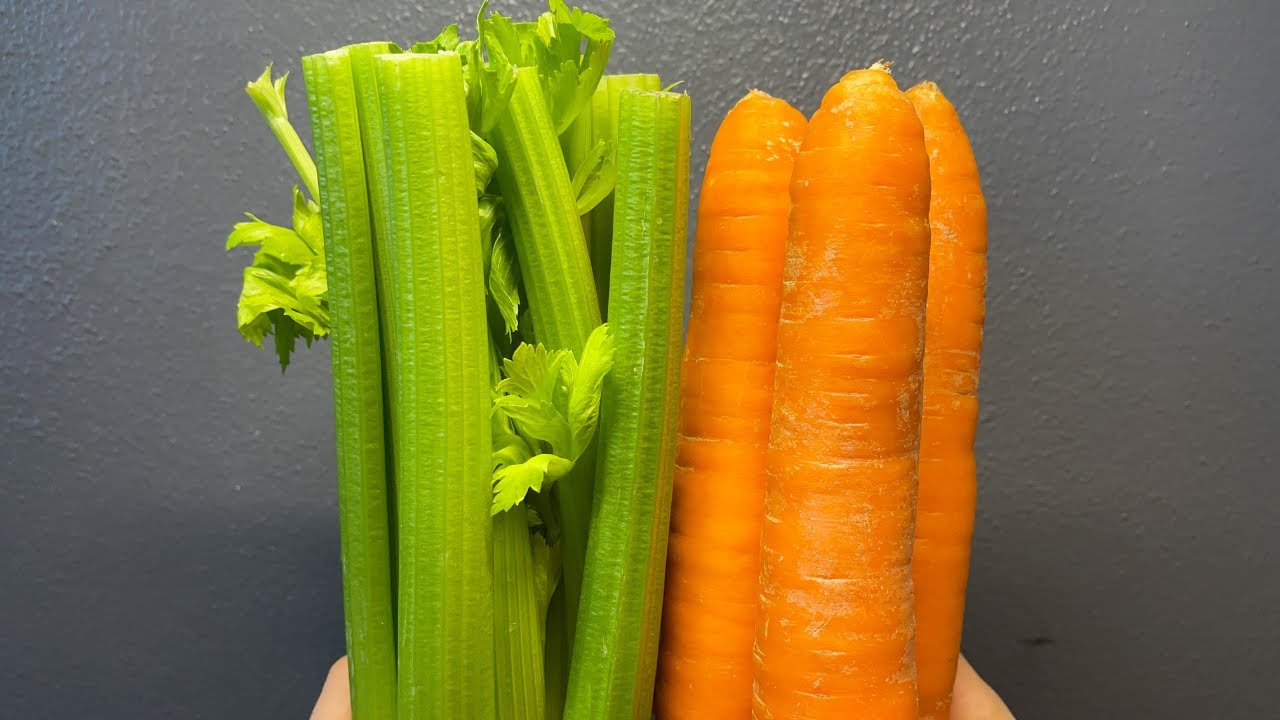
545 412
285 285
569 47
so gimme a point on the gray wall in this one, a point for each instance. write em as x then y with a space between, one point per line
168 536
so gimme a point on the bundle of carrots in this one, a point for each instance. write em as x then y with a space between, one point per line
825 483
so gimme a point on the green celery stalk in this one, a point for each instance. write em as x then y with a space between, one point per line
542 210
615 649
357 386
376 170
551 249
596 123
519 608
369 109
441 391
519 618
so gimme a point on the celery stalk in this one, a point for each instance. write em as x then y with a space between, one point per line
376 170
519 607
542 209
518 620
357 386
552 254
369 109
615 649
596 123
441 391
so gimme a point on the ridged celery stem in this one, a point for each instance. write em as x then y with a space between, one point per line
519 619
375 164
595 123
357 386
441 391
615 650
552 253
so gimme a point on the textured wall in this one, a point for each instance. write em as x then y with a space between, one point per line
167 528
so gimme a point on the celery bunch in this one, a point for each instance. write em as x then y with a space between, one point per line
499 447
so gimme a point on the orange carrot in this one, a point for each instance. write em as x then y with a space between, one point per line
713 559
835 630
949 419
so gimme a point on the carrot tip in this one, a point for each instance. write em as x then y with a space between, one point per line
882 64
925 86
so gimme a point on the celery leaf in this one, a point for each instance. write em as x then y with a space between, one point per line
489 74
572 71
283 291
284 288
485 160
587 385
594 177
446 41
491 218
568 47
504 280
512 482
546 570
546 411
280 243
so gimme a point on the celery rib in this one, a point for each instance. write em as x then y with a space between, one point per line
544 219
441 390
357 386
615 648
595 123
518 620
552 254
369 109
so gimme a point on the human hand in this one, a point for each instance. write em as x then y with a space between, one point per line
335 697
972 699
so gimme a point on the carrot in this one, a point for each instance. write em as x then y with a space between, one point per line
834 635
949 419
713 560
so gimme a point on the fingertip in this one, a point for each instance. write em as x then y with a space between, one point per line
973 699
334 702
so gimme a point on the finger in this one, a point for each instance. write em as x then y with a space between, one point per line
973 699
335 698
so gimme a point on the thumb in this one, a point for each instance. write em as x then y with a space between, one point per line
335 698
973 698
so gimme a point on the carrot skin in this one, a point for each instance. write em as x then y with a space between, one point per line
953 346
834 636
713 563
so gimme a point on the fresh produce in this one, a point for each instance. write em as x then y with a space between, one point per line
616 645
594 134
949 419
547 231
283 294
469 355
713 564
442 404
359 412
492 236
834 636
